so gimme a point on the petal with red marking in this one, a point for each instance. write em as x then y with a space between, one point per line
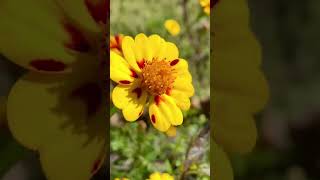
32 41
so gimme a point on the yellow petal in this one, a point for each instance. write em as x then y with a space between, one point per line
237 47
221 165
204 3
32 41
170 52
80 11
158 45
207 10
131 99
142 48
166 176
247 83
129 53
233 126
155 176
50 114
120 70
181 69
182 85
181 99
172 131
164 112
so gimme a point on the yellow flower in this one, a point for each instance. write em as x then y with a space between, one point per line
57 108
121 179
116 43
160 176
206 5
239 86
172 27
151 71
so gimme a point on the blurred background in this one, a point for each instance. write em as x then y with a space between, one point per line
137 149
288 147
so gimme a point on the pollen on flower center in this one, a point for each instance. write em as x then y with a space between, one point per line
157 77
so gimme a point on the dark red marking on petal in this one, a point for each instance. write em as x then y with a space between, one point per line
91 94
174 62
134 74
138 91
140 113
153 118
141 64
49 65
168 91
118 39
78 42
124 82
158 99
96 166
98 9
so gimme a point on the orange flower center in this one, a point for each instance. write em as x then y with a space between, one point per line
157 77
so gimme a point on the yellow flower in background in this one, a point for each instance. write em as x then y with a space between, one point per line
160 176
151 73
206 5
57 108
221 166
172 27
239 86
116 43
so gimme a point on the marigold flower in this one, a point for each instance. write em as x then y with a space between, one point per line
116 43
172 27
151 71
160 176
57 108
206 5
239 86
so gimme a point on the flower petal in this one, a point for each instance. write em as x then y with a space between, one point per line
247 51
81 11
32 41
142 48
157 45
233 126
129 53
164 112
181 99
44 115
119 69
181 68
170 52
182 85
246 83
130 99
